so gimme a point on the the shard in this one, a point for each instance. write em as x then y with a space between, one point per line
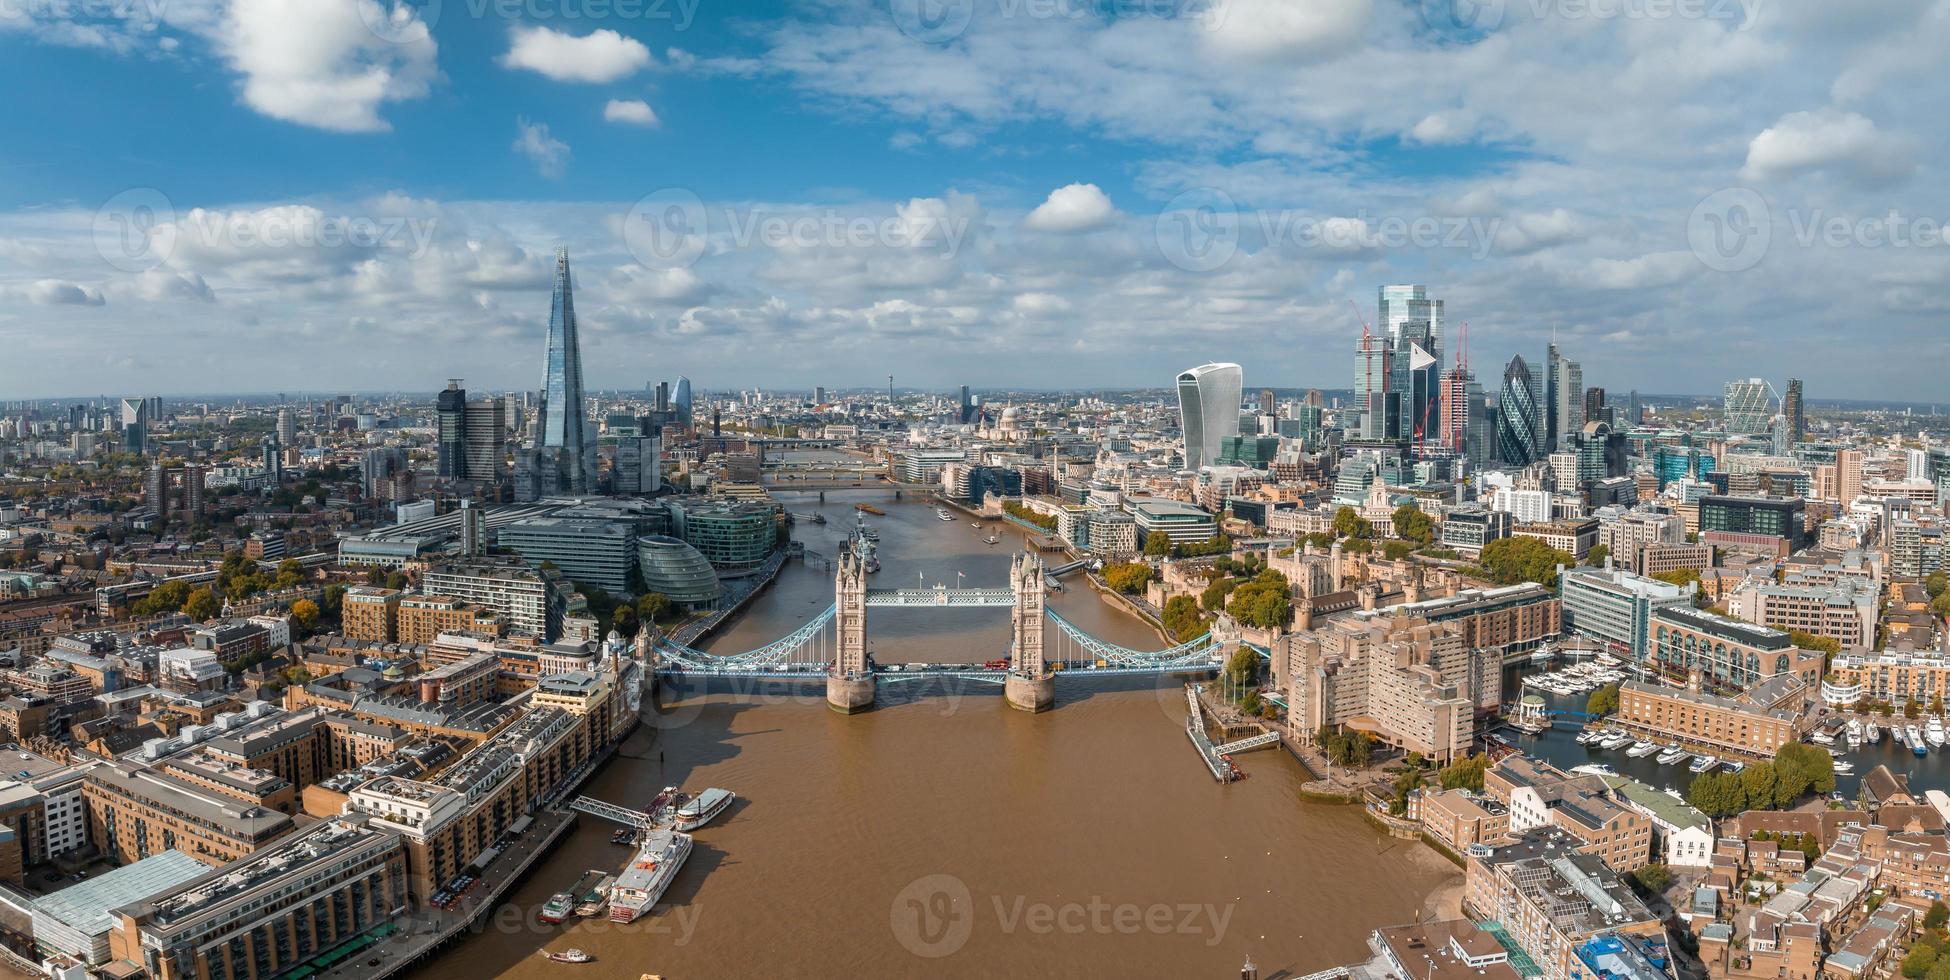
561 432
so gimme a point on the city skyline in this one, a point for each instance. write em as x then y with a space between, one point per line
1001 203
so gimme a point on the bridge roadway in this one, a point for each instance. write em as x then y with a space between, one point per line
942 596
908 672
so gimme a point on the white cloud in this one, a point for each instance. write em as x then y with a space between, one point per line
54 292
319 63
550 155
1072 207
599 56
1285 29
633 112
1844 142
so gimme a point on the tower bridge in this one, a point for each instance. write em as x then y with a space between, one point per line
1027 673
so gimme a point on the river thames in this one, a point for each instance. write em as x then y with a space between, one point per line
944 834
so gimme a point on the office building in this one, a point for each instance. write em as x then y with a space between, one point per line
736 536
450 428
1776 517
638 466
1519 416
1208 410
1412 324
484 444
78 920
1726 653
1797 416
1565 402
1617 607
589 552
271 913
560 423
1747 406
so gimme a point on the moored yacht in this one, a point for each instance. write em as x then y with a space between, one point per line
1703 763
1642 748
704 809
1672 755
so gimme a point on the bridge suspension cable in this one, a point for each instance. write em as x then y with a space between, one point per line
1200 650
804 650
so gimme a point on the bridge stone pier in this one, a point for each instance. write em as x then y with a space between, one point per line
849 682
1030 685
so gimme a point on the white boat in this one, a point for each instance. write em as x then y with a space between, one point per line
1844 767
569 956
1592 736
1617 741
1913 735
704 809
649 874
1934 732
1642 748
1703 763
942 512
1821 736
1871 733
1733 765
1670 756
1854 730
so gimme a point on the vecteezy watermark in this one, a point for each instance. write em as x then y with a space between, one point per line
1201 230
139 229
671 228
941 21
409 21
1733 229
936 915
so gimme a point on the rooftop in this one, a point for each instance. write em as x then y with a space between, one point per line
86 906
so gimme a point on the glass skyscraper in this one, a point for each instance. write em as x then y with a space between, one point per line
1208 410
1519 417
559 424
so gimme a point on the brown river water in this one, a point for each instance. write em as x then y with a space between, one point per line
944 834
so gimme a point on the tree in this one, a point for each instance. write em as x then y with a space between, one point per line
1157 544
1397 550
1808 641
1603 701
1597 555
1937 917
1919 961
1242 666
1213 598
290 573
1652 878
1508 561
304 612
1411 524
1262 602
334 598
202 605
1936 584
1679 576
1182 618
1759 783
1349 523
652 606
1940 606
1129 578
1465 773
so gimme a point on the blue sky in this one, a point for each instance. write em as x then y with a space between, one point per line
1019 192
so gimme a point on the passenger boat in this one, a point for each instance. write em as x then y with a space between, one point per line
650 873
569 956
1704 763
942 512
704 809
558 907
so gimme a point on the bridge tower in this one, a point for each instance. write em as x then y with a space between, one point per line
849 684
1030 685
